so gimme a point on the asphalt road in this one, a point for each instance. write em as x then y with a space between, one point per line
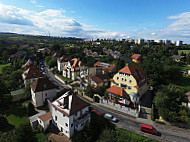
168 133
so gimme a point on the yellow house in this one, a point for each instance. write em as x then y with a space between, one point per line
132 80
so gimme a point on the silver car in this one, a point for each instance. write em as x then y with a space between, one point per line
110 117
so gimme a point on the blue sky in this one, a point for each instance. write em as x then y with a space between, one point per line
149 19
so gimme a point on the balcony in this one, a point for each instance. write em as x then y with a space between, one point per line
82 118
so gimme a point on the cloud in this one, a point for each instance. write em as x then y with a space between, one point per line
14 19
33 2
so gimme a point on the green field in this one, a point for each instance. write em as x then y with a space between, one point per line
184 51
2 66
63 78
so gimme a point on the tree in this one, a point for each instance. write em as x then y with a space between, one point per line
4 125
25 133
107 136
168 102
188 57
30 109
4 97
27 91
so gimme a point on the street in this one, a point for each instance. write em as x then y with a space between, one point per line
168 133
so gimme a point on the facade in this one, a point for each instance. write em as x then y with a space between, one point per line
105 67
61 62
132 80
139 41
70 114
136 58
42 90
45 120
73 68
179 43
99 80
31 74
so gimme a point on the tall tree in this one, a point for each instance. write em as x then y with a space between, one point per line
25 133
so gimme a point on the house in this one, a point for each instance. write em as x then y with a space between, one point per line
178 58
130 79
73 68
28 64
136 58
61 62
17 55
42 90
70 113
105 66
31 74
99 80
34 119
45 120
139 41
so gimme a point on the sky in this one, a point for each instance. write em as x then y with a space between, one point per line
148 19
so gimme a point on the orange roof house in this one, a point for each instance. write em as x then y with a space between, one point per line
136 58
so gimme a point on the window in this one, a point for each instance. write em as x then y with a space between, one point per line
55 118
63 115
65 131
72 125
123 85
129 87
130 81
76 125
117 78
117 84
125 80
46 94
61 129
76 114
122 79
66 124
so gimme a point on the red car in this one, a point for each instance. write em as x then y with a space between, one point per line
95 110
148 129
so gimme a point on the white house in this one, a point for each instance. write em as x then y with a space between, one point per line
45 119
31 74
61 62
73 68
70 113
42 90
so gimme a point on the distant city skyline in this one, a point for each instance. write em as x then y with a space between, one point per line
147 19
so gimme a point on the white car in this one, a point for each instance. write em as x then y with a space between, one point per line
111 117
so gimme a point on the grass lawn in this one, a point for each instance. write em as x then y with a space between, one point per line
17 120
185 83
184 51
129 136
2 66
185 68
63 78
41 137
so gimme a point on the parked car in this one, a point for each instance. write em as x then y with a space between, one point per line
148 129
110 117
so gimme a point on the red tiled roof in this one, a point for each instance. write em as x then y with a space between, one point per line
42 84
137 72
33 73
98 64
100 78
136 56
46 116
29 66
116 90
77 104
110 68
